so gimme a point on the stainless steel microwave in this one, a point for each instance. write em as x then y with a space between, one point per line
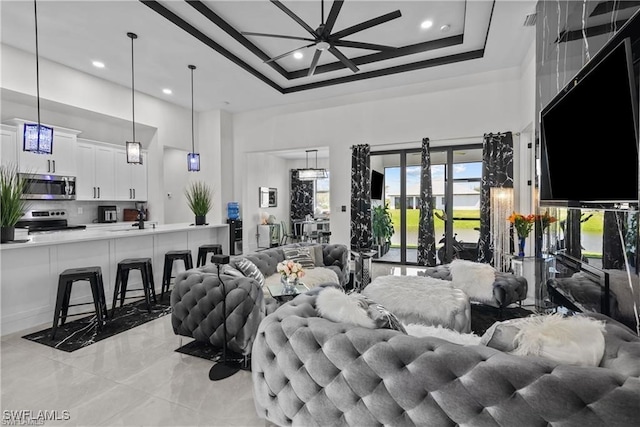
49 187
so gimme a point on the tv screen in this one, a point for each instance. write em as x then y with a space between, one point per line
377 185
589 136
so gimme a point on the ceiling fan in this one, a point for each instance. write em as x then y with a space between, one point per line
323 38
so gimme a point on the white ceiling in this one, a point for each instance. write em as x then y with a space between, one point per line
75 33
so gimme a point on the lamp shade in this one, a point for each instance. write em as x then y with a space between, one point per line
193 162
311 174
134 152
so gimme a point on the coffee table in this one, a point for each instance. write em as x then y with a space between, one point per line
277 292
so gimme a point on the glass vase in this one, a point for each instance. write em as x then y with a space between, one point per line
289 285
521 242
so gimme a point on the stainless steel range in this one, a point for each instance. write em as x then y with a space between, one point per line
46 221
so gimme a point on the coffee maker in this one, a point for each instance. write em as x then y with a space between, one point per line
107 214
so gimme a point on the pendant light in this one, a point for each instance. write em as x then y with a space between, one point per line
310 174
37 138
193 158
134 148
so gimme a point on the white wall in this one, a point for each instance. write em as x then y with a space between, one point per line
451 108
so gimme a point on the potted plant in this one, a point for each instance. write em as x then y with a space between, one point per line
12 206
200 200
382 228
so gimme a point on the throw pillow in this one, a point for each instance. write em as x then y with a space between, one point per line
474 278
249 269
300 255
575 340
230 271
501 335
335 305
318 255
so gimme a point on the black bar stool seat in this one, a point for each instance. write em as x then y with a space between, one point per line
93 275
122 278
169 258
204 250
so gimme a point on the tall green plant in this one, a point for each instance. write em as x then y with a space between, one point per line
200 198
12 187
382 224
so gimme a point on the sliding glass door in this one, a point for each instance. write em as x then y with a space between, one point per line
456 174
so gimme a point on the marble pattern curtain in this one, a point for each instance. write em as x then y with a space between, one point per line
426 233
497 171
361 237
301 199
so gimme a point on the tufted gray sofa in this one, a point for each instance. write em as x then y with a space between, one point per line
196 298
336 258
309 371
507 288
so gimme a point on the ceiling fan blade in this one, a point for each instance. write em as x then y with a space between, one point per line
361 45
346 61
367 24
248 33
275 58
295 17
314 62
333 15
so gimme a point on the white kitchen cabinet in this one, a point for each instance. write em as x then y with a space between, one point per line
8 145
95 179
131 179
61 162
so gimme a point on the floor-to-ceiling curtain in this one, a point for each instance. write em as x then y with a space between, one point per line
612 246
426 233
301 200
361 197
497 171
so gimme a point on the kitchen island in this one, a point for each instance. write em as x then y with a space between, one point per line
29 271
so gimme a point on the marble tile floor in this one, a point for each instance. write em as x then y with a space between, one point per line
132 379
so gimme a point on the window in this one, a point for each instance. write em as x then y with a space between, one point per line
321 199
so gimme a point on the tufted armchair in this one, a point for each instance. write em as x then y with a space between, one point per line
507 288
309 371
196 300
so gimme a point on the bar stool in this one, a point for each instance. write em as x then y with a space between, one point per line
65 281
169 258
122 278
204 250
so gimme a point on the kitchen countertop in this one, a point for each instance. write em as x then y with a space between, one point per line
117 230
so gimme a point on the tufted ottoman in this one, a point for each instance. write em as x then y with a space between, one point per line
422 300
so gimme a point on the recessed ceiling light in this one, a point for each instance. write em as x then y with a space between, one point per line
98 64
298 55
426 24
445 28
167 91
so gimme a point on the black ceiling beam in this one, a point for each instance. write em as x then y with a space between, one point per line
240 38
163 11
443 60
387 54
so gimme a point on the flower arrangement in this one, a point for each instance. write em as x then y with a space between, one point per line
522 223
546 219
290 270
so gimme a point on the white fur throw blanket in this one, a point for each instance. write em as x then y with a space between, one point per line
417 330
409 295
474 278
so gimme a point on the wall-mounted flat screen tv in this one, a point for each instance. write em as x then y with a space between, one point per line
589 136
377 185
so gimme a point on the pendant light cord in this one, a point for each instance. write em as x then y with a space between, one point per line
133 102
193 149
35 12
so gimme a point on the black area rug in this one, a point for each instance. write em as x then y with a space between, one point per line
483 316
83 332
204 350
